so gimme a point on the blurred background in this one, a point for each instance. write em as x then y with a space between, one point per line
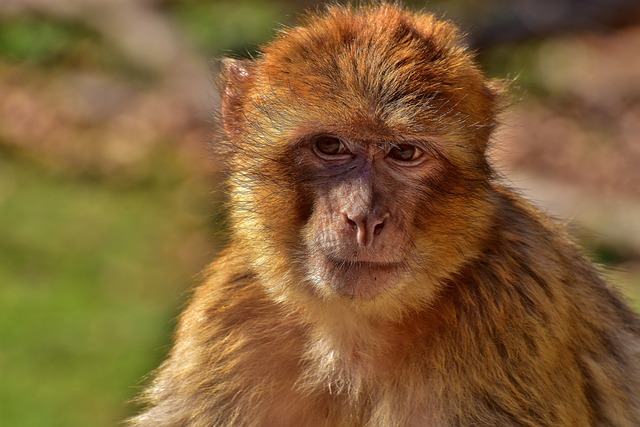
109 197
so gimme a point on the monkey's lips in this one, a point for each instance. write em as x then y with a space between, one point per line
364 279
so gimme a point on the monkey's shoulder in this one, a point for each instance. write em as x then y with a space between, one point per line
521 217
231 301
532 253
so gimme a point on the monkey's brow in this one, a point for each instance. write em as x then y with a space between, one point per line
423 144
388 145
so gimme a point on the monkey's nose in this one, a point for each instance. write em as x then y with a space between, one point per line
366 227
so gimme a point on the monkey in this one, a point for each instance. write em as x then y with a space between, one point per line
379 272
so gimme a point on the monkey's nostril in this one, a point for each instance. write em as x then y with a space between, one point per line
351 222
378 229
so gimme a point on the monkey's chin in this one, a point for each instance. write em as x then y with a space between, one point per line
355 279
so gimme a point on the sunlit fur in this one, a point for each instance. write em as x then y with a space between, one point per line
493 317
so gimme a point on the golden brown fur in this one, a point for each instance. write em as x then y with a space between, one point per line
466 306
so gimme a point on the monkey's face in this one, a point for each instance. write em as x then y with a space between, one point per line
363 197
358 212
357 157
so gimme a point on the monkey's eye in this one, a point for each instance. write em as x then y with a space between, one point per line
405 152
329 146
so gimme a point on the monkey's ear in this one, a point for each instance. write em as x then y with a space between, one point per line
235 77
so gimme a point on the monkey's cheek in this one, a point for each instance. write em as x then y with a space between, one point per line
353 279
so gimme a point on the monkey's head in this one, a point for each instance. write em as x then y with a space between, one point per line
356 151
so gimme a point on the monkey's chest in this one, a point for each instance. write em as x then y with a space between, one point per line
354 386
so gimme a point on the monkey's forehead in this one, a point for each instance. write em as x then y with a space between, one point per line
377 58
378 47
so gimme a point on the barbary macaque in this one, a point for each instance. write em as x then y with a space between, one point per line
378 271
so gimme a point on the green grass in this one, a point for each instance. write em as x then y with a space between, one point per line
90 277
37 40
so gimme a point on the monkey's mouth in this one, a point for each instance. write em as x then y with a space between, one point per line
365 279
344 264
